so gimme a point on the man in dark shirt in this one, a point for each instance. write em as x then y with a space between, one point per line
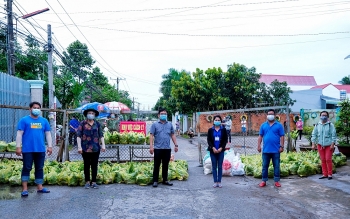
73 127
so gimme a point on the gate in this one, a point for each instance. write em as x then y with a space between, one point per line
244 143
15 92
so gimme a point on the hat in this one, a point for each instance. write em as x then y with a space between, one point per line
93 110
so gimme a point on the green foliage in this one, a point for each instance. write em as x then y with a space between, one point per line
214 89
345 80
307 130
343 124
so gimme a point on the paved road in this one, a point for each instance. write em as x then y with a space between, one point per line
240 197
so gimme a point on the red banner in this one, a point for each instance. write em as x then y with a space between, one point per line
133 127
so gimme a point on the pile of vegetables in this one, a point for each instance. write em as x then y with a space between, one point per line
125 138
72 173
301 163
7 147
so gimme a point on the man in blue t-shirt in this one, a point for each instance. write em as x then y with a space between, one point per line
31 133
73 128
272 133
160 134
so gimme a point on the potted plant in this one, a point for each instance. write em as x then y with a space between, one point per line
307 133
342 126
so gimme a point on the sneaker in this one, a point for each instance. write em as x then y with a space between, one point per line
219 185
277 184
94 186
215 185
87 186
262 184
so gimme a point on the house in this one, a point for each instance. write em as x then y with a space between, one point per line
337 91
295 82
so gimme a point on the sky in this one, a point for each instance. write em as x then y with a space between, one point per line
140 40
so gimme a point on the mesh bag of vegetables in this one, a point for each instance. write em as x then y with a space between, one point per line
11 147
15 180
3 146
5 174
51 178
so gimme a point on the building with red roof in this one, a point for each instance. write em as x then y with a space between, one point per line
295 82
337 91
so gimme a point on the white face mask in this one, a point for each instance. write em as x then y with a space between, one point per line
270 117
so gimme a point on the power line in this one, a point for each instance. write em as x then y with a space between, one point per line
29 23
179 8
80 32
223 48
88 40
220 35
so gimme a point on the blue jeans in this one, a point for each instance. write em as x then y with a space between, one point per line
266 157
216 163
38 158
228 131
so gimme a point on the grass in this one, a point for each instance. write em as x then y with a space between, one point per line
185 136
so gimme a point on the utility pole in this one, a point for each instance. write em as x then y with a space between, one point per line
117 79
50 80
10 40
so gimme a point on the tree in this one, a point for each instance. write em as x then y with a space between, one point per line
345 80
343 124
67 89
78 60
241 86
279 92
214 89
166 85
31 64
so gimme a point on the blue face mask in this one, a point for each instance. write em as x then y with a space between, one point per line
217 123
36 112
324 118
90 116
163 117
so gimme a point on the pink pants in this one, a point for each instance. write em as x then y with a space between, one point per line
326 159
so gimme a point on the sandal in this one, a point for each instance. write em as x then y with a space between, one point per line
24 193
44 190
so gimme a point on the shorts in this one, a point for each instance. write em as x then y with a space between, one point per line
177 129
244 129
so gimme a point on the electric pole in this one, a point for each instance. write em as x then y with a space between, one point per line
50 80
117 79
10 40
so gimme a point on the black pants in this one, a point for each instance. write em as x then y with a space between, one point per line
90 160
229 134
300 132
161 156
72 136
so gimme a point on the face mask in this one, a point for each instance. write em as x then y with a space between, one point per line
217 123
163 117
324 118
112 116
36 112
90 116
270 117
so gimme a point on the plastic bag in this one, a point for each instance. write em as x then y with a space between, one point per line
238 168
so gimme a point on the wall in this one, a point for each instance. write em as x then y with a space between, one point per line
306 99
253 123
316 112
331 91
